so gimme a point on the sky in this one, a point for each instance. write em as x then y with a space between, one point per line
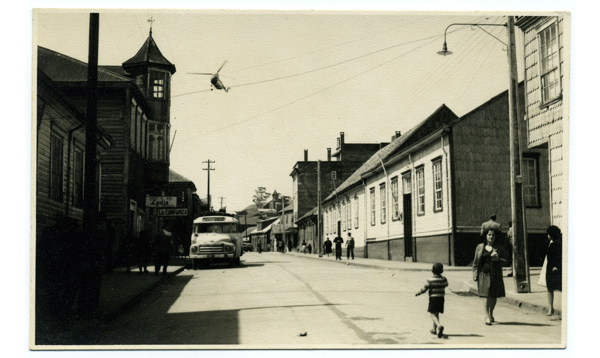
374 105
297 79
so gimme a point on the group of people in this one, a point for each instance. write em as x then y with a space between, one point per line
338 241
490 257
142 249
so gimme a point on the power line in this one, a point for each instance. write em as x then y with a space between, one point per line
325 67
321 90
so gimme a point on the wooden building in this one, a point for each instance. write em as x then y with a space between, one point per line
546 65
424 196
60 154
134 109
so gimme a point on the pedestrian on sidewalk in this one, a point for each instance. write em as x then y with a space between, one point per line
509 248
327 245
490 224
338 241
553 265
162 249
436 286
350 247
143 251
487 271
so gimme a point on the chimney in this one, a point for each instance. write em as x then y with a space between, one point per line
342 138
397 135
306 155
328 154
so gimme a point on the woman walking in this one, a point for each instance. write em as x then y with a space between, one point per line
487 271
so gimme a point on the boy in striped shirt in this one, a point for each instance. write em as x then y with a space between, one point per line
437 289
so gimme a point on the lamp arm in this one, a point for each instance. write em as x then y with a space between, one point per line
478 25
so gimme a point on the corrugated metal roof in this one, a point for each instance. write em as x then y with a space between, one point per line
62 68
149 53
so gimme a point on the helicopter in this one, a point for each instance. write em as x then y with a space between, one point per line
215 80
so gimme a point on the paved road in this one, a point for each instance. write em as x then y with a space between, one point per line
272 298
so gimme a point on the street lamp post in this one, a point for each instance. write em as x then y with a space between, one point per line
521 267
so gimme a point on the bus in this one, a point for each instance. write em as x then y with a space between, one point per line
216 238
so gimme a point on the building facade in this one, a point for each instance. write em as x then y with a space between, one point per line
424 196
546 82
134 109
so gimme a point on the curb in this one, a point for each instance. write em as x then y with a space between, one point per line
109 316
470 290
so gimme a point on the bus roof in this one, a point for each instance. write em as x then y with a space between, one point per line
214 219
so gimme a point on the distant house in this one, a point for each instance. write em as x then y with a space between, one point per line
424 196
180 219
308 175
545 116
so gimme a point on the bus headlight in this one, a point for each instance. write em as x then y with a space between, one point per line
194 249
228 248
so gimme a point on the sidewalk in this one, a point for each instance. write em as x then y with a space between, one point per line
119 291
461 281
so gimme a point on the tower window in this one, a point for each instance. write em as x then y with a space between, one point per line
158 84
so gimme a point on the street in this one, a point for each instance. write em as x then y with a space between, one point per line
284 301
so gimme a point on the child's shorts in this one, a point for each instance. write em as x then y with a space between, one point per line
436 305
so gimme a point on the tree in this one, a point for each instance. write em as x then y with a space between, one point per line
260 197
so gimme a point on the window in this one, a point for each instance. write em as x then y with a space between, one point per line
395 204
349 215
382 198
78 178
437 186
549 63
158 82
420 191
531 192
156 141
372 198
138 131
356 212
343 216
56 167
143 133
132 124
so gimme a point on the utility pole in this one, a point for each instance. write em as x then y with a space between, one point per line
521 267
319 237
209 162
90 204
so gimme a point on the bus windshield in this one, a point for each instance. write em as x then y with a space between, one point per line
214 228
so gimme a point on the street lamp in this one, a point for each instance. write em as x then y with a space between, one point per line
521 269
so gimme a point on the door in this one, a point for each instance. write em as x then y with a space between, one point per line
407 214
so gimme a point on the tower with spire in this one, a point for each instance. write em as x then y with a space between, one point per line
151 73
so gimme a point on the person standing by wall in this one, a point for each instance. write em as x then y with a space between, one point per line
553 265
162 249
491 224
350 247
509 248
338 241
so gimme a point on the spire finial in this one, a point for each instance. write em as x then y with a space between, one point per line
151 20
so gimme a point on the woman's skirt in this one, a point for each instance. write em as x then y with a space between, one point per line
490 285
553 280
